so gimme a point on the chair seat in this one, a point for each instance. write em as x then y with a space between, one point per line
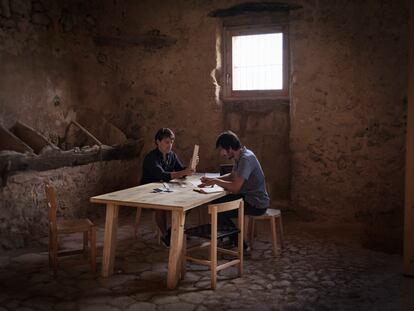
204 231
270 212
274 216
73 225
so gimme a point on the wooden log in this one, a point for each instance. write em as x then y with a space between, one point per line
12 162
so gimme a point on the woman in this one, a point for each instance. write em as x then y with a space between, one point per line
162 164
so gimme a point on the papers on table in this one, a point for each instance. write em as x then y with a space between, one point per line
212 175
213 189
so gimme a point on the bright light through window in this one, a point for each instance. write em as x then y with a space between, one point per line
258 62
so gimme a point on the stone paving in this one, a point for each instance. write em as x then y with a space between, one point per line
317 270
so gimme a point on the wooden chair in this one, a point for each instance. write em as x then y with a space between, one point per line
212 232
68 226
275 220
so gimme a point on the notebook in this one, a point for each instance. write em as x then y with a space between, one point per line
213 189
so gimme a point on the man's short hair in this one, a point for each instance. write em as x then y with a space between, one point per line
164 133
227 140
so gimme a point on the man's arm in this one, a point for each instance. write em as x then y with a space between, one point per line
230 182
227 177
157 173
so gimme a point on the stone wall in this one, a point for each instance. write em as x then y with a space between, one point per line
23 209
337 151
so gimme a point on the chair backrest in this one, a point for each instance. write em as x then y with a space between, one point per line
51 203
224 207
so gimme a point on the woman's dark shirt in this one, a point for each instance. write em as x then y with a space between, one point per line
155 169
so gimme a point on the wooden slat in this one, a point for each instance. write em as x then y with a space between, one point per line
240 222
227 251
224 207
228 264
176 248
111 226
87 133
71 252
409 166
199 246
213 248
204 262
274 236
73 225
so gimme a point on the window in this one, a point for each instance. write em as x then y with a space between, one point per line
256 62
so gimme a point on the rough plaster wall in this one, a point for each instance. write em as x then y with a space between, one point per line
48 63
55 65
348 113
263 126
172 87
348 89
50 67
23 209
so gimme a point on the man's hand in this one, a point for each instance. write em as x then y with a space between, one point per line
206 181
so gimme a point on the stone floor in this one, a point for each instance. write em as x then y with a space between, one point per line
319 269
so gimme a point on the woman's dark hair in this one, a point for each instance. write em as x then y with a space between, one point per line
227 140
164 133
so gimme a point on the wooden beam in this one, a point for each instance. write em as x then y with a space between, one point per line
31 137
87 133
9 141
409 164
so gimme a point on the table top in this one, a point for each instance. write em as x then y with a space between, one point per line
181 197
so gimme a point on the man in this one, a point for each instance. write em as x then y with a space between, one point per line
246 180
162 164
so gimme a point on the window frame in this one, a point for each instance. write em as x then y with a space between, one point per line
228 33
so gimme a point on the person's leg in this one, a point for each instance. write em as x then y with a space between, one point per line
248 210
253 211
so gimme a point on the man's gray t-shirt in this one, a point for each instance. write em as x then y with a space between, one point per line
254 186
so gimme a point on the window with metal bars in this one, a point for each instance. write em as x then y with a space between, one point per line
256 62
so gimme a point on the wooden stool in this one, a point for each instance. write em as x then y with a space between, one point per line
275 220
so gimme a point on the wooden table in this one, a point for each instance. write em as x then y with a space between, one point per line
182 199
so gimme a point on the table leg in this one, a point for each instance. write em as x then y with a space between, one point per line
111 226
176 247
